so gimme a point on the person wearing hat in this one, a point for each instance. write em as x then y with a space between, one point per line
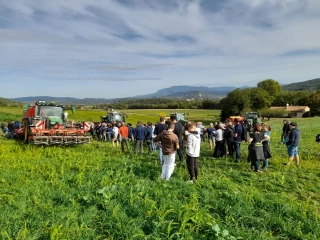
293 143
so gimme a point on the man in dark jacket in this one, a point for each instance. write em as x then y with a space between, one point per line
139 135
293 143
238 137
228 137
159 128
178 130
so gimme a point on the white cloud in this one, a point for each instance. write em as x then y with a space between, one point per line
170 42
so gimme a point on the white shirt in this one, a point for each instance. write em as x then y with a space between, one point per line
219 135
115 130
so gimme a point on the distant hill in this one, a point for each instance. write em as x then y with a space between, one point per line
311 85
4 102
175 92
187 92
62 100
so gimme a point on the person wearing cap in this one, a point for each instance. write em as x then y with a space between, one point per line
293 143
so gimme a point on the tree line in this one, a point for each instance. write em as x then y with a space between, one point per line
161 103
267 93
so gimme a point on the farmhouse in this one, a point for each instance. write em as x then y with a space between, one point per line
293 111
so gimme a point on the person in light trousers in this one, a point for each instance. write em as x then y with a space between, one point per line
169 143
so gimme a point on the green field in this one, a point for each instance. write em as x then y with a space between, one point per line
133 115
97 192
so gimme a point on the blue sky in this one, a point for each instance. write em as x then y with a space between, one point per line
109 48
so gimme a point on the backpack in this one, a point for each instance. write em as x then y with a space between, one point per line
318 138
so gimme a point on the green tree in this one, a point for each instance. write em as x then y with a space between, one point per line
259 98
314 104
271 86
234 103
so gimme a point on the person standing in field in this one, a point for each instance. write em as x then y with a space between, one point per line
200 129
255 149
193 151
115 130
169 142
293 143
139 135
266 147
159 128
211 136
228 137
285 131
238 137
149 133
219 150
11 129
154 146
178 130
131 132
124 131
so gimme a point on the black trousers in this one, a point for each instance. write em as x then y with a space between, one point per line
220 149
230 148
180 151
192 163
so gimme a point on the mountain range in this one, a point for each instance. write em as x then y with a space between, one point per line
174 92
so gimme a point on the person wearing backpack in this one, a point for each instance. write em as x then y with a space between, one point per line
238 136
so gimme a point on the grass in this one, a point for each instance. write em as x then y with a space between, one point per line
96 192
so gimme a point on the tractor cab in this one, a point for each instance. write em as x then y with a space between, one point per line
180 117
113 117
52 113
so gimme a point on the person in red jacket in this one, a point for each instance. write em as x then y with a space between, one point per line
124 131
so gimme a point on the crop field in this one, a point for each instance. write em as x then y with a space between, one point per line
95 191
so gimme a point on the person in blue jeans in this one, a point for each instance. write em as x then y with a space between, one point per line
238 135
293 143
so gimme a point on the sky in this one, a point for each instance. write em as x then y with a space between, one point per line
122 48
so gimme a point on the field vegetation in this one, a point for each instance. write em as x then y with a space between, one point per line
97 192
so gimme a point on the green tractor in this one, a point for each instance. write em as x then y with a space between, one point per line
113 116
252 117
180 117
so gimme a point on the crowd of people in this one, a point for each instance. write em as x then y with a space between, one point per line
8 128
170 138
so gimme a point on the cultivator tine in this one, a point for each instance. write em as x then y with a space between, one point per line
83 139
40 140
70 140
55 140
